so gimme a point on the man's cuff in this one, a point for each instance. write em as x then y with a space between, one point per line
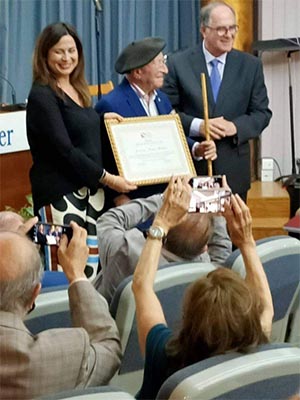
195 127
77 280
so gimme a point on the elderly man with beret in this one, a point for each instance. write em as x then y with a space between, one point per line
138 95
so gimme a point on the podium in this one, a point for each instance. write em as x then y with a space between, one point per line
15 160
13 136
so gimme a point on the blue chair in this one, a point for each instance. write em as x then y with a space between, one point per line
54 278
271 371
51 311
170 284
280 256
91 393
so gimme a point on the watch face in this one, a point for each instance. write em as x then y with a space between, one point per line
156 232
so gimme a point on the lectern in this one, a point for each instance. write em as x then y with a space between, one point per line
292 182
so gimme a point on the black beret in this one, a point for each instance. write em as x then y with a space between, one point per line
139 53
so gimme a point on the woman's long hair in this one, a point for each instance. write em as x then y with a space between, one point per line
220 314
42 74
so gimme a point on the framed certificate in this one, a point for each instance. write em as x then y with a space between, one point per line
150 150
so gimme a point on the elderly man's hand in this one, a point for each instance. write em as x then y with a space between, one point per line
219 128
176 203
206 149
73 256
27 225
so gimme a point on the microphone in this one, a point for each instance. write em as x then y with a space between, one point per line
98 5
13 92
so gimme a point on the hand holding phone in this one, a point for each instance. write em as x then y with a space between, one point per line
73 255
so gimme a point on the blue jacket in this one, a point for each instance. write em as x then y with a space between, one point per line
124 101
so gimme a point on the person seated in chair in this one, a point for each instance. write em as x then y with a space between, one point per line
57 359
199 238
222 312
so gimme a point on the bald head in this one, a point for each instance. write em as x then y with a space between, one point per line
16 254
188 239
20 271
10 221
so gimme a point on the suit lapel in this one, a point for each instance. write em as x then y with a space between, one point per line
198 64
160 105
229 77
133 101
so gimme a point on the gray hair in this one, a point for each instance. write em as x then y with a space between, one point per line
206 11
188 239
16 294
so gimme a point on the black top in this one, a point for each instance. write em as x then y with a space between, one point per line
65 144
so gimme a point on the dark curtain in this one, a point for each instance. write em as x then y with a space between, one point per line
120 22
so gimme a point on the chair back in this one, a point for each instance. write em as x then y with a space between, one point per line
271 371
170 284
51 311
91 393
280 256
105 88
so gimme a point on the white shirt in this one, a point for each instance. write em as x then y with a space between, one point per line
146 100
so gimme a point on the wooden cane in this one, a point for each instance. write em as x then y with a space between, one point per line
206 126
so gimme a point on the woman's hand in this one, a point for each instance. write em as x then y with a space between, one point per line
113 115
239 222
118 183
176 203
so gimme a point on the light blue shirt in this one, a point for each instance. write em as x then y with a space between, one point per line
195 125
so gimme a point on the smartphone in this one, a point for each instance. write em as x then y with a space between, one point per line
49 234
206 182
208 195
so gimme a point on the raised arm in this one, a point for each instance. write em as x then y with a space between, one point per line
148 308
239 223
89 310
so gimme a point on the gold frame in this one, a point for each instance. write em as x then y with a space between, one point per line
114 128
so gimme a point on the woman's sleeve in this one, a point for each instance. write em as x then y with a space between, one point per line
44 116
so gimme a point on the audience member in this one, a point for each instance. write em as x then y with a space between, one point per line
238 112
222 312
121 242
11 221
63 132
138 95
58 359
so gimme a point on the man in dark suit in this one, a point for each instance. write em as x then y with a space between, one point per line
237 96
138 95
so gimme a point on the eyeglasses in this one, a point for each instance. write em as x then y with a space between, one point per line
160 61
222 30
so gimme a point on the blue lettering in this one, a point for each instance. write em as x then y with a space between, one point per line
5 138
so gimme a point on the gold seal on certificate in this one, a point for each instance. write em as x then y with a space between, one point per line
150 150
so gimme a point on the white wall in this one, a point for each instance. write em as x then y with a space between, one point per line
281 19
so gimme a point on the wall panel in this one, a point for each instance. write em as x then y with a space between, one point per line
280 19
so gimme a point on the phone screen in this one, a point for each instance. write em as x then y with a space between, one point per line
49 234
208 195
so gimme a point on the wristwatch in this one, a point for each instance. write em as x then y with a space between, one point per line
156 232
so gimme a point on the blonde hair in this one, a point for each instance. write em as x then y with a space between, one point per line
220 314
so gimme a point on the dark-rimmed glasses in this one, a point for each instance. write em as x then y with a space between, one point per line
222 30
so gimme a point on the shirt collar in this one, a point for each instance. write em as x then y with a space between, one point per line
141 94
209 57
